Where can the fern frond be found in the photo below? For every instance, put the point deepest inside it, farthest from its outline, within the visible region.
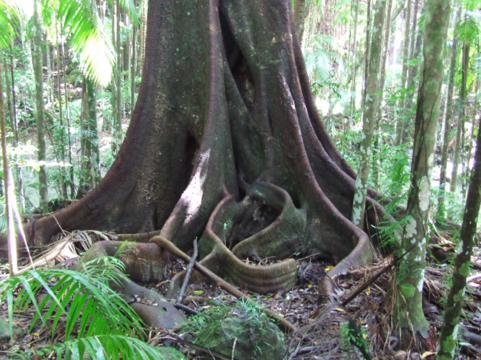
(84, 299)
(109, 347)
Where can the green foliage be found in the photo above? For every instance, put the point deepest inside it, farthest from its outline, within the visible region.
(9, 21)
(83, 298)
(204, 326)
(105, 347)
(324, 62)
(87, 37)
(349, 337)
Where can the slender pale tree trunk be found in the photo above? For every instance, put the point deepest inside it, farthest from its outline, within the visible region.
(461, 117)
(117, 114)
(473, 124)
(377, 141)
(8, 92)
(37, 58)
(463, 98)
(143, 33)
(85, 184)
(132, 67)
(441, 210)
(48, 81)
(401, 118)
(67, 118)
(62, 126)
(414, 52)
(352, 105)
(12, 245)
(371, 109)
(449, 330)
(93, 140)
(408, 309)
(300, 9)
(18, 172)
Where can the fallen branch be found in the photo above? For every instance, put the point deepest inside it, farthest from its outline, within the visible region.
(392, 261)
(174, 250)
(187, 274)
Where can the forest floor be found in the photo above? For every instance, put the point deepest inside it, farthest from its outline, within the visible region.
(320, 333)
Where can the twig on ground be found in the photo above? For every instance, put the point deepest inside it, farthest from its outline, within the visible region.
(201, 348)
(187, 273)
(376, 276)
(187, 309)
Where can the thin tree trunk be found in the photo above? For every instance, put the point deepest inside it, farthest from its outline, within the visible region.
(85, 184)
(473, 124)
(371, 109)
(8, 91)
(377, 141)
(415, 51)
(441, 210)
(408, 310)
(401, 118)
(67, 118)
(37, 57)
(300, 9)
(62, 127)
(464, 80)
(49, 73)
(143, 33)
(447, 341)
(116, 92)
(93, 140)
(132, 68)
(18, 172)
(352, 105)
(12, 244)
(461, 117)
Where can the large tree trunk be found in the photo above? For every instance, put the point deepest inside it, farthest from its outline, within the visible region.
(225, 142)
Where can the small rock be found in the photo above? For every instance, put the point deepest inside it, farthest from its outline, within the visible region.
(5, 331)
(246, 331)
(400, 354)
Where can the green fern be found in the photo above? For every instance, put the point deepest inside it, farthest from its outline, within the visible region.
(109, 347)
(91, 304)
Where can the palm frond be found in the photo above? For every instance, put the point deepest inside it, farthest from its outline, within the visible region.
(108, 347)
(131, 10)
(89, 299)
(80, 20)
(9, 21)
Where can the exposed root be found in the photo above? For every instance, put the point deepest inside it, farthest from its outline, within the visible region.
(167, 245)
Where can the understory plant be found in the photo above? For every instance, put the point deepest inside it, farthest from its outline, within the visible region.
(99, 323)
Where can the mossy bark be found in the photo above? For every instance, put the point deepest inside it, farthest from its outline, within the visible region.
(409, 312)
(447, 341)
(372, 102)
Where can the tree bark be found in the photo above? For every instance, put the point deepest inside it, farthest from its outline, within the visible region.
(38, 71)
(449, 331)
(401, 118)
(371, 109)
(441, 210)
(408, 310)
(461, 116)
(226, 145)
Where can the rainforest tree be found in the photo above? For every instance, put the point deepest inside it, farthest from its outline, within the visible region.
(225, 144)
